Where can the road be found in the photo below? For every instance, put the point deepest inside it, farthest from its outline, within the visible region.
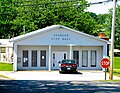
(38, 86)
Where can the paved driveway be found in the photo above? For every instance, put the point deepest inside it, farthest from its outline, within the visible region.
(54, 75)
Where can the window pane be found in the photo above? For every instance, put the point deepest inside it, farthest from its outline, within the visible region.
(34, 58)
(76, 56)
(25, 58)
(93, 58)
(53, 59)
(84, 58)
(64, 55)
(3, 50)
(43, 58)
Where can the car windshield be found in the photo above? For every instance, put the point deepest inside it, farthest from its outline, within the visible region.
(68, 61)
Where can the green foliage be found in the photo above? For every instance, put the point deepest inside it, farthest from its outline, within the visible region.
(37, 14)
(108, 28)
(6, 67)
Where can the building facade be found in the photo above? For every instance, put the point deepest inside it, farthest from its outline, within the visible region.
(6, 51)
(44, 48)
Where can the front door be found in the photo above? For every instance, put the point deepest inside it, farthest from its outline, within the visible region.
(56, 57)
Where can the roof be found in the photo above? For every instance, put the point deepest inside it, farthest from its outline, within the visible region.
(5, 43)
(15, 39)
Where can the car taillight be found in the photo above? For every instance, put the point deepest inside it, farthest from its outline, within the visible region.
(74, 65)
(63, 65)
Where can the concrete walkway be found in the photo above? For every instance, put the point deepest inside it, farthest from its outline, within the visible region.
(54, 75)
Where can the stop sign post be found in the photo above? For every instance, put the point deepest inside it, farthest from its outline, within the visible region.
(105, 63)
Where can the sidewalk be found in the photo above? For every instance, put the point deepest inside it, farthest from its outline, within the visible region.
(54, 75)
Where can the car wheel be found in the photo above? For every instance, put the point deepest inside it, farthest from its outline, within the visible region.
(76, 72)
(60, 72)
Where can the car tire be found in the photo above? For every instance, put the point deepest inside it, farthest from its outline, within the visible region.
(60, 72)
(76, 72)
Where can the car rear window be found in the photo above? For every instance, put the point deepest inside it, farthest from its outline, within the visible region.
(68, 61)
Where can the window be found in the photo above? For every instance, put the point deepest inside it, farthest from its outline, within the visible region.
(25, 58)
(93, 58)
(65, 56)
(76, 56)
(84, 58)
(43, 58)
(53, 59)
(34, 58)
(3, 50)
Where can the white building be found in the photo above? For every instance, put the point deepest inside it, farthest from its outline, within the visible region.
(6, 50)
(44, 48)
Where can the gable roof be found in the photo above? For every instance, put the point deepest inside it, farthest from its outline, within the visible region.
(5, 43)
(31, 34)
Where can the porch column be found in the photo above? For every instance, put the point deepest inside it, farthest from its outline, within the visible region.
(70, 55)
(49, 65)
(105, 51)
(15, 58)
(7, 54)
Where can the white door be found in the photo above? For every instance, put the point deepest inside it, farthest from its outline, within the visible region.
(56, 57)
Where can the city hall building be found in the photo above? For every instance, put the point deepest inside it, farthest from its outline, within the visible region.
(43, 49)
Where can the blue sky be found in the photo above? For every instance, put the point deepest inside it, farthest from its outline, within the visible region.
(100, 8)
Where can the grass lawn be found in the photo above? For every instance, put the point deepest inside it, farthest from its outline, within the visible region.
(117, 66)
(6, 67)
(117, 62)
(117, 72)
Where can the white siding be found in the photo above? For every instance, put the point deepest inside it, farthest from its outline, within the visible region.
(60, 40)
(30, 48)
(59, 49)
(48, 38)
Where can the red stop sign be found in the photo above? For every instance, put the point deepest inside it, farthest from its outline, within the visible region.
(105, 63)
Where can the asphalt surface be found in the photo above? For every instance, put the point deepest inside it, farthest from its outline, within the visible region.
(37, 86)
(53, 82)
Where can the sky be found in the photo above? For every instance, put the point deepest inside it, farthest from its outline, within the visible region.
(100, 8)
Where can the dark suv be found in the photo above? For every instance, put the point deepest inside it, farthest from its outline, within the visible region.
(68, 65)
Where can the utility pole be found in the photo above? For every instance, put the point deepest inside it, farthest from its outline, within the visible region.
(112, 40)
(24, 30)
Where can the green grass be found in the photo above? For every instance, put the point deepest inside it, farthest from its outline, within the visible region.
(6, 67)
(116, 71)
(117, 62)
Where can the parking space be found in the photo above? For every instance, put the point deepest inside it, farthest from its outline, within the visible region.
(54, 75)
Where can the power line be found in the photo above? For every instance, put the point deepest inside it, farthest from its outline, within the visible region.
(43, 5)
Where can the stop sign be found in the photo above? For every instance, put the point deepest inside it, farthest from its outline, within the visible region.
(105, 63)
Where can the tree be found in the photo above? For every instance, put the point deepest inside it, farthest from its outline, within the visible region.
(38, 14)
(7, 14)
(117, 26)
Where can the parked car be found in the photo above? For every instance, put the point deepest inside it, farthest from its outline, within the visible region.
(67, 65)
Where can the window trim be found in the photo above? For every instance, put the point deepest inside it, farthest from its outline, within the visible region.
(2, 49)
(33, 64)
(95, 51)
(77, 60)
(86, 57)
(27, 59)
(41, 59)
